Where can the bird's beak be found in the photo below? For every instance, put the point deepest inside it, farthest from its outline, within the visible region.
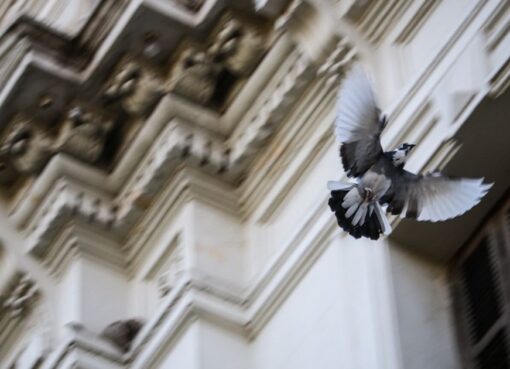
(411, 147)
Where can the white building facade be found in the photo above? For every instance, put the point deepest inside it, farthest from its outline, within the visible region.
(163, 167)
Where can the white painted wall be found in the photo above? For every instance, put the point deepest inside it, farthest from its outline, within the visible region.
(93, 294)
(332, 318)
(220, 348)
(424, 312)
(184, 353)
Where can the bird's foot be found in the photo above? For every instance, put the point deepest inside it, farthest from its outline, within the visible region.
(368, 194)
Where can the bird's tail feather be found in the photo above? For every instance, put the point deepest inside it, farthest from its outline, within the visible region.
(358, 218)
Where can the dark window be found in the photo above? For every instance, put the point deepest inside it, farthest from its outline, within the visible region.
(494, 355)
(479, 285)
(480, 278)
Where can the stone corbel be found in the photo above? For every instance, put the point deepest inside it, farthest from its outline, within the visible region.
(206, 74)
(194, 75)
(136, 85)
(84, 133)
(25, 148)
(238, 46)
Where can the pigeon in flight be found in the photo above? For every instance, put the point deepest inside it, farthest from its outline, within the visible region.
(381, 182)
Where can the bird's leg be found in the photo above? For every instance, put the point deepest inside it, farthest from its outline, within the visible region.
(368, 194)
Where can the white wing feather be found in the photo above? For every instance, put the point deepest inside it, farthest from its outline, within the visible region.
(357, 113)
(442, 198)
(383, 220)
(337, 186)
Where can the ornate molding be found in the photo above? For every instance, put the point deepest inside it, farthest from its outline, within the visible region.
(245, 315)
(178, 143)
(270, 112)
(375, 18)
(79, 346)
(67, 202)
(207, 74)
(421, 10)
(20, 297)
(497, 26)
(500, 81)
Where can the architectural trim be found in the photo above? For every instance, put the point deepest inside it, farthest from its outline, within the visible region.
(421, 10)
(436, 68)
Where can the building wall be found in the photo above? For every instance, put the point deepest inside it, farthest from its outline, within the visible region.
(332, 318)
(424, 311)
(209, 222)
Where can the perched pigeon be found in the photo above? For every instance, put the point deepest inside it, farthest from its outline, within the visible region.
(381, 181)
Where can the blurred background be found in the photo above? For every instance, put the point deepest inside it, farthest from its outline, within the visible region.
(163, 170)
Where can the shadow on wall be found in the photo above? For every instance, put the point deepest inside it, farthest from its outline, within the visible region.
(484, 153)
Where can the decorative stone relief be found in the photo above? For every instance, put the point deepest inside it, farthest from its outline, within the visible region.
(84, 134)
(176, 144)
(26, 148)
(238, 47)
(66, 200)
(135, 85)
(21, 296)
(195, 75)
(207, 75)
(27, 145)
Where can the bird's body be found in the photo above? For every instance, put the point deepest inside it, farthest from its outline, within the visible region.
(381, 180)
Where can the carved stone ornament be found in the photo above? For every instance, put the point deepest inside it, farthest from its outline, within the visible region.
(21, 297)
(238, 47)
(25, 149)
(84, 134)
(207, 75)
(136, 86)
(195, 75)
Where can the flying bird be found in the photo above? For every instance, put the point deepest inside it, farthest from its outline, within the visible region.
(382, 185)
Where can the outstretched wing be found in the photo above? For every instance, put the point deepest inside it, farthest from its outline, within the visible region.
(358, 125)
(434, 197)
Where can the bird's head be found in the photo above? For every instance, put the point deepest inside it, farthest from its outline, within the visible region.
(400, 154)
